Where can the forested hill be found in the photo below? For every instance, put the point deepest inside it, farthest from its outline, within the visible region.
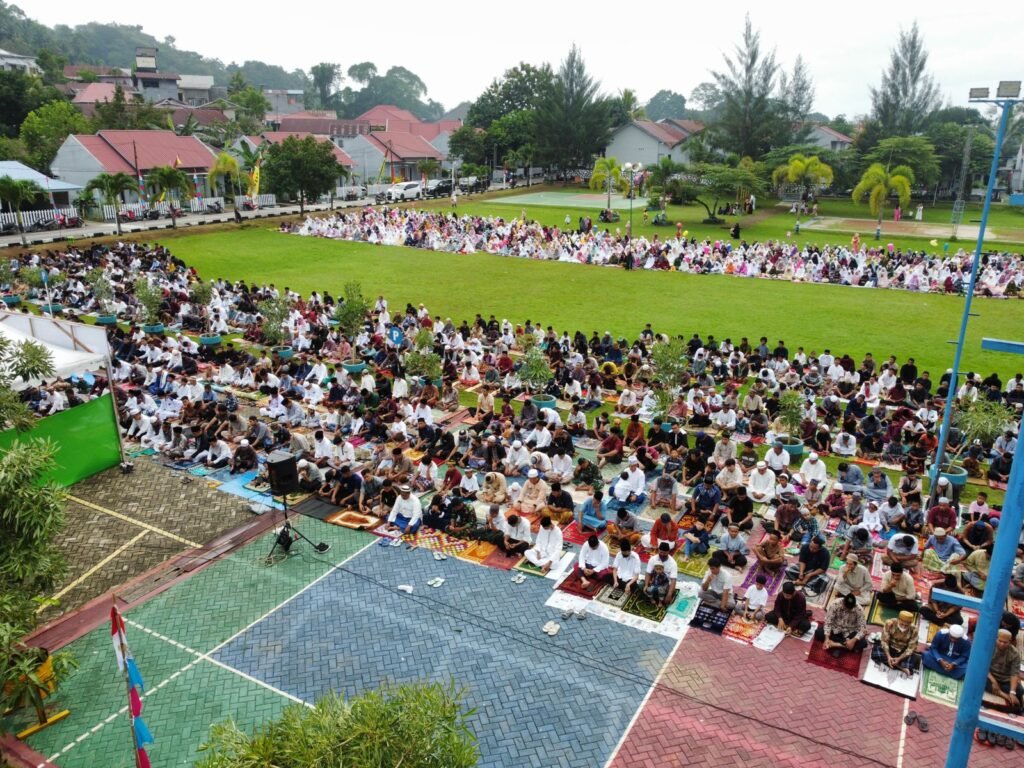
(114, 45)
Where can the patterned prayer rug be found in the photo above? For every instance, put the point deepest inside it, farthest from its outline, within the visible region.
(888, 679)
(572, 584)
(684, 606)
(774, 579)
(526, 566)
(141, 452)
(572, 534)
(476, 552)
(638, 605)
(354, 520)
(587, 443)
(847, 662)
(436, 541)
(614, 548)
(382, 531)
(742, 630)
(710, 619)
(201, 471)
(613, 596)
(696, 567)
(940, 689)
(1017, 606)
(878, 614)
(821, 599)
(498, 559)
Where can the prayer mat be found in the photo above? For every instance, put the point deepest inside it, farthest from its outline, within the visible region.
(498, 559)
(316, 507)
(848, 662)
(572, 584)
(940, 689)
(774, 579)
(213, 483)
(686, 522)
(741, 630)
(202, 471)
(180, 465)
(997, 485)
(878, 567)
(414, 456)
(293, 499)
(613, 596)
(696, 567)
(821, 599)
(587, 443)
(614, 548)
(354, 520)
(926, 632)
(572, 534)
(832, 526)
(888, 679)
(768, 638)
(931, 562)
(710, 619)
(436, 541)
(141, 452)
(476, 552)
(864, 462)
(924, 581)
(526, 566)
(879, 614)
(259, 486)
(382, 530)
(639, 605)
(684, 606)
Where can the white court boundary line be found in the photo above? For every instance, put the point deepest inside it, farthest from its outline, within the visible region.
(206, 656)
(643, 702)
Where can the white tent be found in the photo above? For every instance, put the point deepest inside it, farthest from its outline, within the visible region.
(75, 347)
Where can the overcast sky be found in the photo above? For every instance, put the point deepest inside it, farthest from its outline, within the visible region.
(458, 47)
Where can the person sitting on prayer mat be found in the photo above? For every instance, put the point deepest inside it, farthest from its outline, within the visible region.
(898, 590)
(769, 553)
(755, 599)
(593, 561)
(657, 585)
(516, 538)
(406, 514)
(716, 589)
(790, 612)
(626, 568)
(854, 579)
(844, 627)
(897, 648)
(624, 526)
(1004, 672)
(667, 562)
(949, 652)
(547, 549)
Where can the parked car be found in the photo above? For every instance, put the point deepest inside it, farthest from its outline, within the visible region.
(438, 188)
(407, 190)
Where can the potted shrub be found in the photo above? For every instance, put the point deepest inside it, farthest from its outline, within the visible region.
(275, 313)
(535, 373)
(150, 301)
(7, 283)
(981, 420)
(351, 315)
(425, 364)
(791, 414)
(104, 293)
(29, 675)
(201, 295)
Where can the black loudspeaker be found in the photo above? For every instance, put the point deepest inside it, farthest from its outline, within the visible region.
(283, 473)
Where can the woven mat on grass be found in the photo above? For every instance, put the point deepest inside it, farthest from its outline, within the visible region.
(639, 605)
(587, 443)
(741, 630)
(477, 552)
(573, 585)
(847, 662)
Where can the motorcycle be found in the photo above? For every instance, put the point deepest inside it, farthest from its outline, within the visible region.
(43, 225)
(152, 214)
(8, 228)
(248, 205)
(380, 198)
(174, 213)
(214, 208)
(69, 222)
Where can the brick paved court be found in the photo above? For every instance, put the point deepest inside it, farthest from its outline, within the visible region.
(241, 640)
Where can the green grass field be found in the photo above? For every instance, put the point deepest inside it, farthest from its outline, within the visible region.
(569, 296)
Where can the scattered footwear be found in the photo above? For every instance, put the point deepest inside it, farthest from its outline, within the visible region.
(407, 588)
(581, 614)
(519, 578)
(566, 614)
(435, 582)
(910, 718)
(922, 723)
(440, 556)
(551, 628)
(395, 543)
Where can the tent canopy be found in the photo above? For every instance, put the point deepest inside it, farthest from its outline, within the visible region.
(75, 347)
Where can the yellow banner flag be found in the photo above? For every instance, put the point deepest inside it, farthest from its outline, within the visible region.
(254, 180)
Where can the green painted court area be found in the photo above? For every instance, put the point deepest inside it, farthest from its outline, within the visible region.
(586, 200)
(173, 637)
(571, 296)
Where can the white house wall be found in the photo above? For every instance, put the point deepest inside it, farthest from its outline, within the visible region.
(629, 144)
(75, 164)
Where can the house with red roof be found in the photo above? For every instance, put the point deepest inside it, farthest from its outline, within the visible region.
(276, 137)
(389, 155)
(645, 141)
(82, 157)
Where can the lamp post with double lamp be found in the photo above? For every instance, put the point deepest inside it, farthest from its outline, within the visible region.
(632, 169)
(990, 606)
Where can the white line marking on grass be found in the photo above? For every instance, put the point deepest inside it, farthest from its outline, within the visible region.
(643, 702)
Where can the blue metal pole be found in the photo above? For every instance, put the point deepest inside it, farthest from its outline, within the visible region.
(1005, 550)
(947, 411)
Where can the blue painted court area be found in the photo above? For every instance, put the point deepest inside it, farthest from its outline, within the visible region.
(540, 701)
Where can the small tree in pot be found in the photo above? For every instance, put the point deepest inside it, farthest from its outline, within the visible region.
(535, 372)
(150, 300)
(981, 420)
(103, 291)
(422, 360)
(790, 416)
(275, 313)
(201, 294)
(351, 314)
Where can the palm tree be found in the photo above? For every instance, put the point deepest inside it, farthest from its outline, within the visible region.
(605, 174)
(248, 156)
(110, 187)
(428, 167)
(170, 180)
(808, 172)
(631, 104)
(225, 166)
(878, 182)
(16, 193)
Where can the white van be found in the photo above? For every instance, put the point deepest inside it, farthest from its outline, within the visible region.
(407, 190)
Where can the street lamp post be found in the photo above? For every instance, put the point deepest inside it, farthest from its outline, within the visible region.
(632, 169)
(991, 605)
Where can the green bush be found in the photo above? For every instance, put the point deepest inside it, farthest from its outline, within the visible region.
(413, 726)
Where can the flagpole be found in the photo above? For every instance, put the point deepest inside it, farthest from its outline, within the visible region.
(127, 682)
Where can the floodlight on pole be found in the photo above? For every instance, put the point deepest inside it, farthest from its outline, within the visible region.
(990, 606)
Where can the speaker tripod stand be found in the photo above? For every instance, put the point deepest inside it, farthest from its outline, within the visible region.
(288, 535)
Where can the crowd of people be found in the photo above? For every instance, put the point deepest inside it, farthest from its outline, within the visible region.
(1001, 274)
(492, 466)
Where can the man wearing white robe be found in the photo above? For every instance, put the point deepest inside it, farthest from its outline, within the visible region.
(547, 549)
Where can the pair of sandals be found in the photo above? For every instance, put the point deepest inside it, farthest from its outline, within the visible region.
(519, 578)
(994, 739)
(440, 556)
(568, 613)
(922, 721)
(435, 582)
(551, 628)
